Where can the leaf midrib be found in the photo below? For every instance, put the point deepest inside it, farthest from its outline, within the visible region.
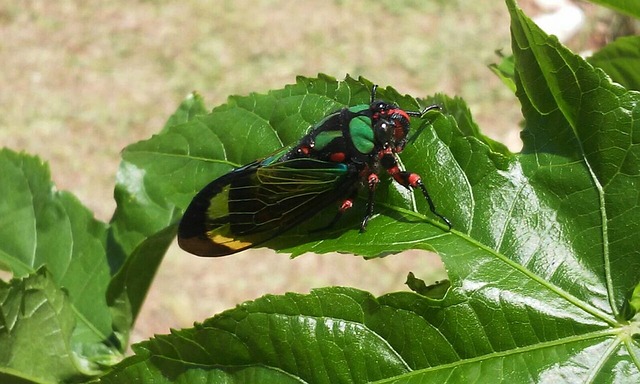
(518, 267)
(516, 350)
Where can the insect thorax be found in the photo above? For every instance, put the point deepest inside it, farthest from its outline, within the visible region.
(346, 136)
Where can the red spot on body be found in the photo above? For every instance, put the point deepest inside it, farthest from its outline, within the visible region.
(304, 150)
(347, 204)
(337, 157)
(393, 170)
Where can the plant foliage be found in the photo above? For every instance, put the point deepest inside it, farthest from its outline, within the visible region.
(543, 263)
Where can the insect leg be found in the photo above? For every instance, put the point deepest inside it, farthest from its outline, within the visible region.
(372, 182)
(409, 180)
(432, 207)
(344, 206)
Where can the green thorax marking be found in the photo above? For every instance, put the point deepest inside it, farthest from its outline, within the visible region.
(359, 108)
(362, 133)
(324, 138)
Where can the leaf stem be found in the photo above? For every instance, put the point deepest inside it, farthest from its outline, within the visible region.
(605, 238)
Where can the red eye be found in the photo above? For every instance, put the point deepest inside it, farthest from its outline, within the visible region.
(399, 132)
(401, 121)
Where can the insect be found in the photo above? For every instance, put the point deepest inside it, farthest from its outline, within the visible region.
(341, 154)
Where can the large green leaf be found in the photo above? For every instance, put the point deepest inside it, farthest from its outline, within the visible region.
(542, 259)
(580, 149)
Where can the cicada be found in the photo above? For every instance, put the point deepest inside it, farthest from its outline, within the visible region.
(339, 156)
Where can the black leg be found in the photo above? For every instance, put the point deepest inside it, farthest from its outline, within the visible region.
(345, 206)
(372, 183)
(432, 207)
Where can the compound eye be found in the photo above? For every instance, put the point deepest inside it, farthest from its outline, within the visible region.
(401, 126)
(399, 132)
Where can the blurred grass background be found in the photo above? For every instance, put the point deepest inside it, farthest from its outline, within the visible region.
(80, 80)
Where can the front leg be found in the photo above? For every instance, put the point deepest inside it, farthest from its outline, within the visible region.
(408, 180)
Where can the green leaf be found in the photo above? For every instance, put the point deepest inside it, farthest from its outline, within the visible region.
(620, 59)
(542, 258)
(44, 228)
(336, 335)
(36, 324)
(142, 227)
(148, 179)
(505, 70)
(629, 7)
(327, 342)
(580, 150)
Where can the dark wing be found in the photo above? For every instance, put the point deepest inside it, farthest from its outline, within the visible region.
(257, 202)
